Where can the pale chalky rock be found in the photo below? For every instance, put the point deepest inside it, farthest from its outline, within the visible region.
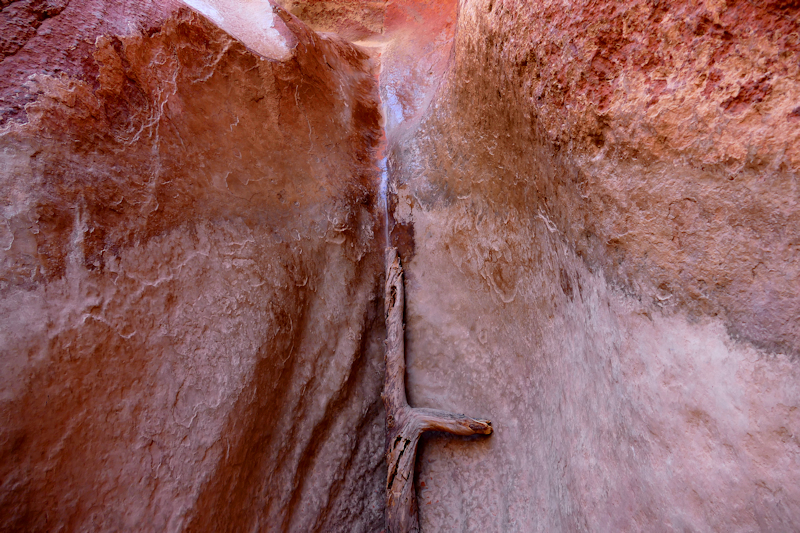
(599, 220)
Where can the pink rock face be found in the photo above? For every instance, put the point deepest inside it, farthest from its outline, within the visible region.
(597, 209)
(190, 333)
(604, 207)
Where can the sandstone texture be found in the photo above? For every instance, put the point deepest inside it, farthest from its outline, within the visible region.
(190, 319)
(597, 208)
(598, 215)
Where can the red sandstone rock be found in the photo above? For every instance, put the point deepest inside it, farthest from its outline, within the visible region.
(352, 20)
(604, 206)
(190, 331)
(596, 204)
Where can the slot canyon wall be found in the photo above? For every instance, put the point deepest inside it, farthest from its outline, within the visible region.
(596, 204)
(598, 215)
(190, 326)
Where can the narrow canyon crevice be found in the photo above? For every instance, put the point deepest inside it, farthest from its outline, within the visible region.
(596, 205)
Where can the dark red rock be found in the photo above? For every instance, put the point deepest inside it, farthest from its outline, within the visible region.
(190, 321)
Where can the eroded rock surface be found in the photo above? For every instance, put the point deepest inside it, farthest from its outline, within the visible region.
(600, 217)
(191, 332)
(597, 208)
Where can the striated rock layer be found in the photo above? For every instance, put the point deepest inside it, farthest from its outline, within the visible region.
(599, 215)
(190, 334)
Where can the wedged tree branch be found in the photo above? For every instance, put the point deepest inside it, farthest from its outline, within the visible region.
(404, 424)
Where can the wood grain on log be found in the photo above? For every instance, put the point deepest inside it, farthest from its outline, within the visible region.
(404, 424)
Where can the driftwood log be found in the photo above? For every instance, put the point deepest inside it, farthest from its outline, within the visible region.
(404, 424)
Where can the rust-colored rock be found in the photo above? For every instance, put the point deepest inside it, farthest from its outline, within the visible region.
(604, 206)
(191, 326)
(596, 204)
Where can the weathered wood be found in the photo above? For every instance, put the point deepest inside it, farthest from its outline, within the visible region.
(404, 424)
